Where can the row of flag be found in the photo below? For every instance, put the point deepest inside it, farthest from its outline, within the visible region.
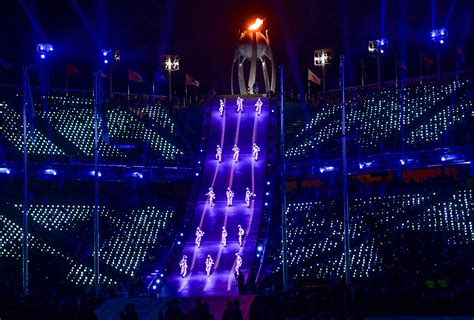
(425, 59)
(133, 76)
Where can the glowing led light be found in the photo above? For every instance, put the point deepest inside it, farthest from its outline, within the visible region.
(5, 170)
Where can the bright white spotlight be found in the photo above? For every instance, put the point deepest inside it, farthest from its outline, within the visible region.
(51, 172)
(5, 170)
(138, 175)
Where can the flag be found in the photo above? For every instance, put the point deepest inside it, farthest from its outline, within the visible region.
(427, 60)
(190, 81)
(313, 78)
(102, 74)
(134, 76)
(159, 78)
(72, 70)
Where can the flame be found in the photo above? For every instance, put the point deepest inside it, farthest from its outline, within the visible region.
(258, 22)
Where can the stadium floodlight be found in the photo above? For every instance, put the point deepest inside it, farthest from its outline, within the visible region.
(106, 56)
(378, 46)
(117, 56)
(170, 63)
(44, 49)
(439, 36)
(323, 57)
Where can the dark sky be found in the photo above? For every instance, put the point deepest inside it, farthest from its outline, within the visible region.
(204, 33)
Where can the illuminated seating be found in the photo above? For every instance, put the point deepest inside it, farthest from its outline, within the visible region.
(11, 127)
(126, 237)
(73, 119)
(374, 119)
(315, 230)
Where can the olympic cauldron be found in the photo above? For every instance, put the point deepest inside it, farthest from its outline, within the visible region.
(253, 46)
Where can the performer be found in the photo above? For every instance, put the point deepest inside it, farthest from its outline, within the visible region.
(211, 196)
(258, 106)
(221, 107)
(238, 263)
(248, 195)
(255, 151)
(240, 104)
(184, 266)
(241, 234)
(199, 234)
(224, 236)
(230, 195)
(236, 153)
(209, 263)
(219, 153)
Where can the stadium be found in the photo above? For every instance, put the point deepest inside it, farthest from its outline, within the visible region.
(155, 165)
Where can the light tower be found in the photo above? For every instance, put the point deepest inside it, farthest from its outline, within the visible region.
(253, 45)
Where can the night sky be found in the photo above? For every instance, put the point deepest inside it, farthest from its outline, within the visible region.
(204, 34)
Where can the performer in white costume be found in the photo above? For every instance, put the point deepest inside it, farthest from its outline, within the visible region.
(199, 234)
(211, 196)
(255, 151)
(238, 263)
(258, 106)
(236, 153)
(230, 196)
(224, 236)
(240, 104)
(221, 107)
(183, 264)
(241, 235)
(209, 263)
(219, 153)
(248, 194)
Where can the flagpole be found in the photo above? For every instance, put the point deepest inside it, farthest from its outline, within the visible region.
(185, 94)
(169, 80)
(309, 91)
(25, 188)
(421, 69)
(96, 188)
(128, 90)
(110, 81)
(67, 85)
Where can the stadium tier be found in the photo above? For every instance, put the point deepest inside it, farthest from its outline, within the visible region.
(129, 132)
(63, 232)
(382, 228)
(424, 114)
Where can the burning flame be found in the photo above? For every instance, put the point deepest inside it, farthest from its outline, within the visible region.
(258, 22)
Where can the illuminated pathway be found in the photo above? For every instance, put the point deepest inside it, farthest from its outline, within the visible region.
(232, 128)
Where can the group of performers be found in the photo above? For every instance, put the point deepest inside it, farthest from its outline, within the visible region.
(211, 196)
(240, 233)
(183, 264)
(240, 106)
(236, 152)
